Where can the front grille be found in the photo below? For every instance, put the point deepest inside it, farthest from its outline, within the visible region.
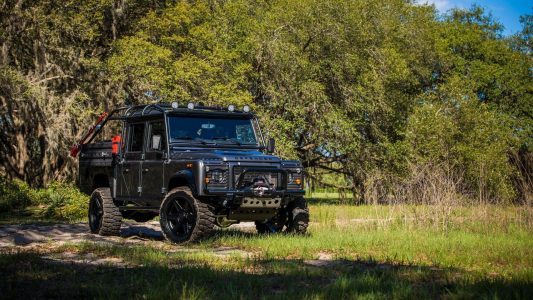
(273, 178)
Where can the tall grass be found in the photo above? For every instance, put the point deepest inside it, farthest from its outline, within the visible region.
(489, 239)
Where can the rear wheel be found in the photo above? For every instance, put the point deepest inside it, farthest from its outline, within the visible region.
(183, 218)
(104, 215)
(272, 225)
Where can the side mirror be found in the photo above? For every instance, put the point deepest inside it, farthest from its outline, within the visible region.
(271, 145)
(156, 142)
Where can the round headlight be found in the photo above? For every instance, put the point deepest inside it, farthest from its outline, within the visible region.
(231, 108)
(174, 105)
(246, 108)
(190, 105)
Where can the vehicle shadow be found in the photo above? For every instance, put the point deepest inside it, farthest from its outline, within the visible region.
(142, 231)
(152, 231)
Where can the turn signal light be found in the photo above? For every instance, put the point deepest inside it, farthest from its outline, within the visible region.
(298, 181)
(206, 180)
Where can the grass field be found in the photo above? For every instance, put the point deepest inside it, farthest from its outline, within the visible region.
(369, 252)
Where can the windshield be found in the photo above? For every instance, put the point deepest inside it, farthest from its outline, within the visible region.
(211, 130)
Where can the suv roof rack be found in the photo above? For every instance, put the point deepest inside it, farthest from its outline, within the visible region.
(142, 110)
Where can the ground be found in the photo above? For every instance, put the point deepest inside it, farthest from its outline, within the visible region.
(376, 252)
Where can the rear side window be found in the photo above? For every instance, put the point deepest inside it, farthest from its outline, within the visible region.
(136, 137)
(157, 137)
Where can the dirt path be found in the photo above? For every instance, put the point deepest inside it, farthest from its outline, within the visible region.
(32, 237)
(131, 232)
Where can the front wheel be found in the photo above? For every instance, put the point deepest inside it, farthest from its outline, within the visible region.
(183, 218)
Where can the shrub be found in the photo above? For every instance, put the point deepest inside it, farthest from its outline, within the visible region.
(62, 201)
(13, 194)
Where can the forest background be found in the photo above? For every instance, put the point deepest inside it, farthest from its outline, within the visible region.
(384, 101)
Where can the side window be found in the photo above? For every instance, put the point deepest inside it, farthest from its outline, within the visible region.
(157, 136)
(136, 137)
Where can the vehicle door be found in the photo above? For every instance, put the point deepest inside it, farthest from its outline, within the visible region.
(153, 171)
(129, 183)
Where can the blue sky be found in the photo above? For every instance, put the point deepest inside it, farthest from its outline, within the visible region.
(506, 12)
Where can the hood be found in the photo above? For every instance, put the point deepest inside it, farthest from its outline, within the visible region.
(229, 155)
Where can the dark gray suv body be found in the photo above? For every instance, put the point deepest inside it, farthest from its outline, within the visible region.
(195, 167)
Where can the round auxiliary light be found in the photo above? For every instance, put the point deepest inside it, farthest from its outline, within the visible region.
(231, 107)
(246, 108)
(174, 105)
(190, 105)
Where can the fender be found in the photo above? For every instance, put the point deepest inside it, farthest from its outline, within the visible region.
(183, 178)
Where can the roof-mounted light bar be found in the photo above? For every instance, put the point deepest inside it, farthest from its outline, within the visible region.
(191, 105)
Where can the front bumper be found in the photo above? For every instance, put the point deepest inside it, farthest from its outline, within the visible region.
(242, 195)
(248, 203)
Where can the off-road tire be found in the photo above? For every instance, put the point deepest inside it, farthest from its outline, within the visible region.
(111, 218)
(298, 220)
(204, 222)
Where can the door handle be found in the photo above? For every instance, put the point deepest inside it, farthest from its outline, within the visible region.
(125, 170)
(145, 170)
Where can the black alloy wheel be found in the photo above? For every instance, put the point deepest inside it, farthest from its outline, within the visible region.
(180, 219)
(183, 218)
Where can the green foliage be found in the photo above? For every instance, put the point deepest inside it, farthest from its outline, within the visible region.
(13, 195)
(58, 201)
(184, 52)
(469, 138)
(63, 202)
(355, 89)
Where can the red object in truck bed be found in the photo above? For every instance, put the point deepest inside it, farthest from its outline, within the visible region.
(75, 149)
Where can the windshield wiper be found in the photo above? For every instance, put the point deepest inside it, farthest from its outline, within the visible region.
(226, 138)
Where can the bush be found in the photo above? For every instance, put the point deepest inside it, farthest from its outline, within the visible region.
(13, 194)
(66, 202)
(61, 201)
